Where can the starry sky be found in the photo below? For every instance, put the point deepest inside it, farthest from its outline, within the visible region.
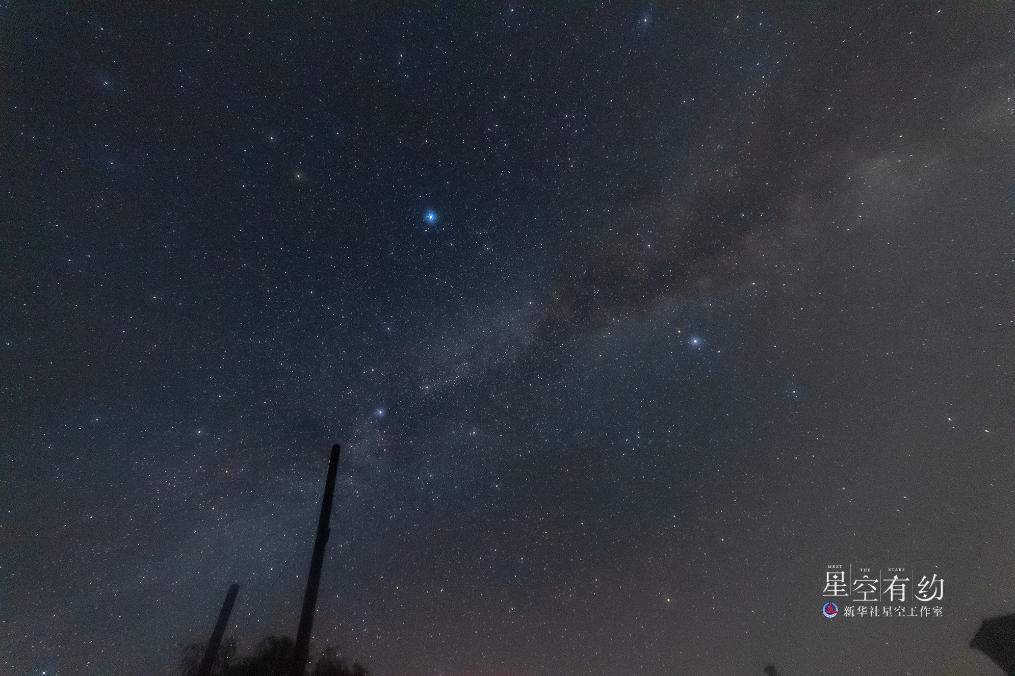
(631, 318)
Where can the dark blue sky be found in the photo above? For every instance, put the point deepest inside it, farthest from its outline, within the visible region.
(631, 319)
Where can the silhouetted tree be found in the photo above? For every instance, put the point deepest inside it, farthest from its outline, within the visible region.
(272, 656)
(193, 653)
(331, 665)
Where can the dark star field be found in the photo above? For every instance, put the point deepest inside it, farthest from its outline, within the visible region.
(631, 318)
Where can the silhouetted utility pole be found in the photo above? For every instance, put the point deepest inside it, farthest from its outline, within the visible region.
(212, 650)
(302, 648)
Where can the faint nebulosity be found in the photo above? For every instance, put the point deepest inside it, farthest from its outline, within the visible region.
(630, 317)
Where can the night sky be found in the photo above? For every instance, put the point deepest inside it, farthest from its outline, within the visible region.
(631, 318)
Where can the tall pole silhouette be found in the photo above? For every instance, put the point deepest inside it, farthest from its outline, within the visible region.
(302, 648)
(212, 650)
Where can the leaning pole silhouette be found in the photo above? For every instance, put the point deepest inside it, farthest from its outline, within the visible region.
(212, 650)
(302, 648)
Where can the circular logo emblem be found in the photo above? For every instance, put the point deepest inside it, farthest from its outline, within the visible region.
(829, 610)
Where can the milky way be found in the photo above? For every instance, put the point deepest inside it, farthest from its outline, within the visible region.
(631, 319)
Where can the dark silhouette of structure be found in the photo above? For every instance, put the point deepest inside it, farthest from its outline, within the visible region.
(996, 639)
(212, 651)
(770, 670)
(301, 649)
